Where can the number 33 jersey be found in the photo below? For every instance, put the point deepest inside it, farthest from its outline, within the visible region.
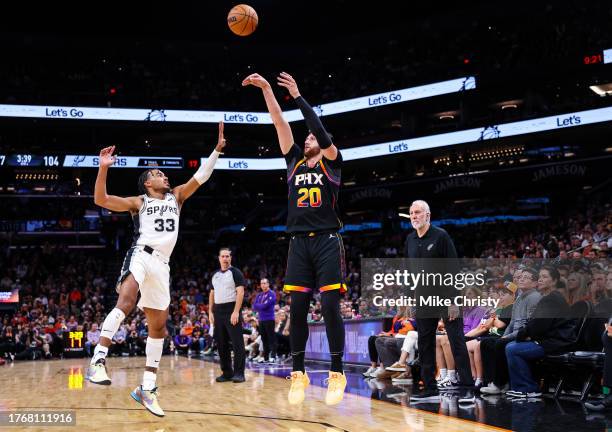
(157, 223)
(313, 193)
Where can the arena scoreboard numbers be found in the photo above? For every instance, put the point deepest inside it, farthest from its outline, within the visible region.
(30, 160)
(74, 343)
(83, 161)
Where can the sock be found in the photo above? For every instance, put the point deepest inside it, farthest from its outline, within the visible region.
(478, 381)
(298, 362)
(148, 380)
(111, 323)
(154, 350)
(452, 375)
(300, 304)
(443, 372)
(336, 362)
(334, 327)
(100, 352)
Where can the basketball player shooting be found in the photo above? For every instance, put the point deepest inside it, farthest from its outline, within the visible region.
(316, 253)
(146, 266)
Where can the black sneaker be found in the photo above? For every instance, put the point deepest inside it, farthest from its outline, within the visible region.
(600, 405)
(238, 378)
(425, 396)
(223, 378)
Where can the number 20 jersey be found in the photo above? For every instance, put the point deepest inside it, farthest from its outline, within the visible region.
(157, 223)
(313, 193)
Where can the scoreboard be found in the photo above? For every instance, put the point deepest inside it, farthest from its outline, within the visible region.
(74, 343)
(30, 160)
(91, 161)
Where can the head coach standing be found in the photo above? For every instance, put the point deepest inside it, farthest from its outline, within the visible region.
(225, 301)
(431, 249)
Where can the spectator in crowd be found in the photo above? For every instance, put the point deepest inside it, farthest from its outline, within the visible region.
(198, 343)
(182, 342)
(8, 343)
(472, 317)
(119, 341)
(389, 346)
(493, 351)
(264, 306)
(605, 403)
(549, 330)
(281, 330)
(576, 287)
(376, 367)
(93, 337)
(491, 328)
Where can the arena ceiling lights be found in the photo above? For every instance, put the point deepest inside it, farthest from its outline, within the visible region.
(193, 116)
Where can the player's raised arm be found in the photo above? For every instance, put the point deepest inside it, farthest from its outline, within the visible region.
(329, 150)
(283, 130)
(111, 202)
(203, 173)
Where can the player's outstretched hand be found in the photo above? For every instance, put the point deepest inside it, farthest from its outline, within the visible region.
(287, 81)
(256, 80)
(106, 156)
(221, 141)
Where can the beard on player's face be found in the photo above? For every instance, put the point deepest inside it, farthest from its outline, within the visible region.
(311, 150)
(311, 146)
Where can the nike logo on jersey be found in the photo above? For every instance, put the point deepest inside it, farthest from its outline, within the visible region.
(150, 201)
(309, 179)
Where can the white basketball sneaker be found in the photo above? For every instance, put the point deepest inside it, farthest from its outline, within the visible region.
(148, 399)
(97, 373)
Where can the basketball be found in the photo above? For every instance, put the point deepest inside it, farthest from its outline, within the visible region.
(242, 20)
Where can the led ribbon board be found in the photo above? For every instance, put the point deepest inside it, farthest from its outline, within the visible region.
(504, 130)
(193, 116)
(433, 141)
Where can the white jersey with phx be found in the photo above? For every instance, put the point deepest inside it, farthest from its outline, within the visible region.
(157, 224)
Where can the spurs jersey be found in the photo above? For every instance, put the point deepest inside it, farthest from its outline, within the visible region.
(313, 193)
(157, 223)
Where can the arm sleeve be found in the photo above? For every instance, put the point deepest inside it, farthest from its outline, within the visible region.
(205, 171)
(238, 277)
(314, 123)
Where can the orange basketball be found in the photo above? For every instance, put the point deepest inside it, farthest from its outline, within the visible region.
(242, 20)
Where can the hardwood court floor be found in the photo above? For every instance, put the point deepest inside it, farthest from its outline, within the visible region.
(193, 401)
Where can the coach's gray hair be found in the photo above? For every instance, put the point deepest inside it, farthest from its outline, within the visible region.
(423, 205)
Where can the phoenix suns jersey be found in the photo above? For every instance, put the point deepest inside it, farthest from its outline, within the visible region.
(313, 193)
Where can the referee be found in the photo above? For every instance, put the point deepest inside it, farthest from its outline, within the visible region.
(432, 250)
(225, 301)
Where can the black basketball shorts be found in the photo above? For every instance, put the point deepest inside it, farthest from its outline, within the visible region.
(315, 261)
